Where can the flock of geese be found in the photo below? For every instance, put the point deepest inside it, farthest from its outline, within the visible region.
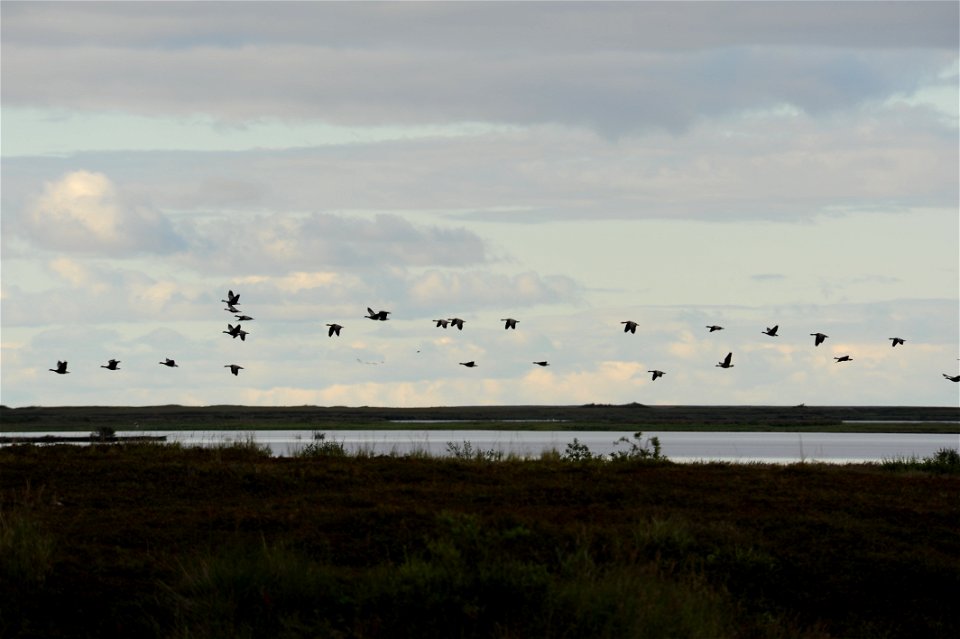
(629, 326)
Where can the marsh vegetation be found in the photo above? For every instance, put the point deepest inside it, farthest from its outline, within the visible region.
(163, 540)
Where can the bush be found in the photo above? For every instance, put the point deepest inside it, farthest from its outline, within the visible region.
(103, 433)
(945, 461)
(320, 447)
(638, 449)
(578, 452)
(467, 452)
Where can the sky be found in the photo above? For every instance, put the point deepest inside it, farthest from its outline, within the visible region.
(571, 165)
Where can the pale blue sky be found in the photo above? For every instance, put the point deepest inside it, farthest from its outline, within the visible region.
(573, 165)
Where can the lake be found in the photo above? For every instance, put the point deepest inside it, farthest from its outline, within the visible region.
(678, 446)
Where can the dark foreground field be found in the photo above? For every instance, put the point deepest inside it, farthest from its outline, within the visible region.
(152, 540)
(626, 417)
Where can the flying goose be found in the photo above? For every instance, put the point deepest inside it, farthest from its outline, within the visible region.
(772, 332)
(952, 378)
(456, 321)
(111, 365)
(232, 309)
(243, 318)
(543, 363)
(630, 326)
(234, 368)
(232, 298)
(469, 364)
(334, 330)
(843, 358)
(442, 323)
(377, 315)
(714, 327)
(235, 332)
(510, 323)
(896, 340)
(61, 368)
(818, 338)
(656, 374)
(726, 361)
(169, 362)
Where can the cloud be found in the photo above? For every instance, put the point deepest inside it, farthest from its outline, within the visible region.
(569, 26)
(283, 243)
(459, 291)
(94, 292)
(616, 69)
(780, 165)
(84, 212)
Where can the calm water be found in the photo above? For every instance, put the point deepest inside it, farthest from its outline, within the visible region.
(678, 446)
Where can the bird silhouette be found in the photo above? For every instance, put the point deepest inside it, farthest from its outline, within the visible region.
(234, 368)
(334, 330)
(510, 323)
(456, 321)
(772, 332)
(656, 374)
(232, 309)
(61, 368)
(896, 340)
(469, 364)
(843, 358)
(111, 365)
(169, 362)
(377, 315)
(543, 363)
(236, 331)
(726, 361)
(243, 318)
(714, 327)
(442, 323)
(952, 378)
(232, 298)
(818, 338)
(629, 326)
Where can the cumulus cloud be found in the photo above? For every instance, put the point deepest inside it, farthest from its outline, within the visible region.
(84, 212)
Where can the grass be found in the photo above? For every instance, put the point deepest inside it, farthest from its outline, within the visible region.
(167, 541)
(944, 461)
(26, 549)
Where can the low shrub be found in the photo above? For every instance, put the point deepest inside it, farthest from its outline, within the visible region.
(320, 447)
(466, 452)
(639, 449)
(578, 452)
